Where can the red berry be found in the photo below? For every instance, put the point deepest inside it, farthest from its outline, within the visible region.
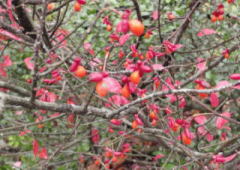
(136, 27)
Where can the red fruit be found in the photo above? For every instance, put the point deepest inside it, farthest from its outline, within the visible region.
(214, 18)
(101, 89)
(80, 72)
(135, 77)
(136, 27)
(109, 28)
(186, 140)
(134, 124)
(77, 7)
(201, 95)
(50, 6)
(220, 18)
(147, 35)
(153, 116)
(230, 1)
(125, 91)
(170, 16)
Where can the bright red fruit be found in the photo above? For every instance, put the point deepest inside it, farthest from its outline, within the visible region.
(135, 77)
(186, 140)
(109, 28)
(136, 27)
(170, 16)
(50, 6)
(80, 72)
(102, 88)
(77, 7)
(125, 91)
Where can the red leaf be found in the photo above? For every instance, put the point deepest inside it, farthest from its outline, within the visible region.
(35, 147)
(88, 48)
(10, 14)
(113, 85)
(183, 102)
(201, 119)
(43, 154)
(209, 137)
(124, 38)
(235, 76)
(10, 35)
(201, 64)
(7, 61)
(231, 157)
(126, 14)
(122, 26)
(144, 68)
(222, 84)
(95, 77)
(221, 159)
(159, 156)
(28, 63)
(214, 99)
(158, 67)
(220, 122)
(170, 47)
(3, 72)
(106, 20)
(206, 31)
(155, 15)
(95, 135)
(82, 2)
(22, 133)
(76, 62)
(61, 37)
(202, 83)
(118, 100)
(95, 62)
(138, 120)
(116, 122)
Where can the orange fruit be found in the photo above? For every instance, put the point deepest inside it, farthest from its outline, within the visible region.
(147, 35)
(101, 89)
(77, 7)
(134, 124)
(125, 91)
(220, 18)
(109, 28)
(50, 6)
(186, 140)
(135, 77)
(170, 16)
(201, 95)
(136, 27)
(80, 72)
(214, 18)
(152, 115)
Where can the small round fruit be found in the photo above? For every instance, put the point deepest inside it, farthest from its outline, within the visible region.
(170, 16)
(220, 18)
(80, 72)
(186, 140)
(50, 6)
(136, 27)
(77, 7)
(214, 18)
(109, 28)
(125, 91)
(101, 89)
(135, 77)
(147, 35)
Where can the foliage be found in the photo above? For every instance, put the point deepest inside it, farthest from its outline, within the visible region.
(92, 84)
